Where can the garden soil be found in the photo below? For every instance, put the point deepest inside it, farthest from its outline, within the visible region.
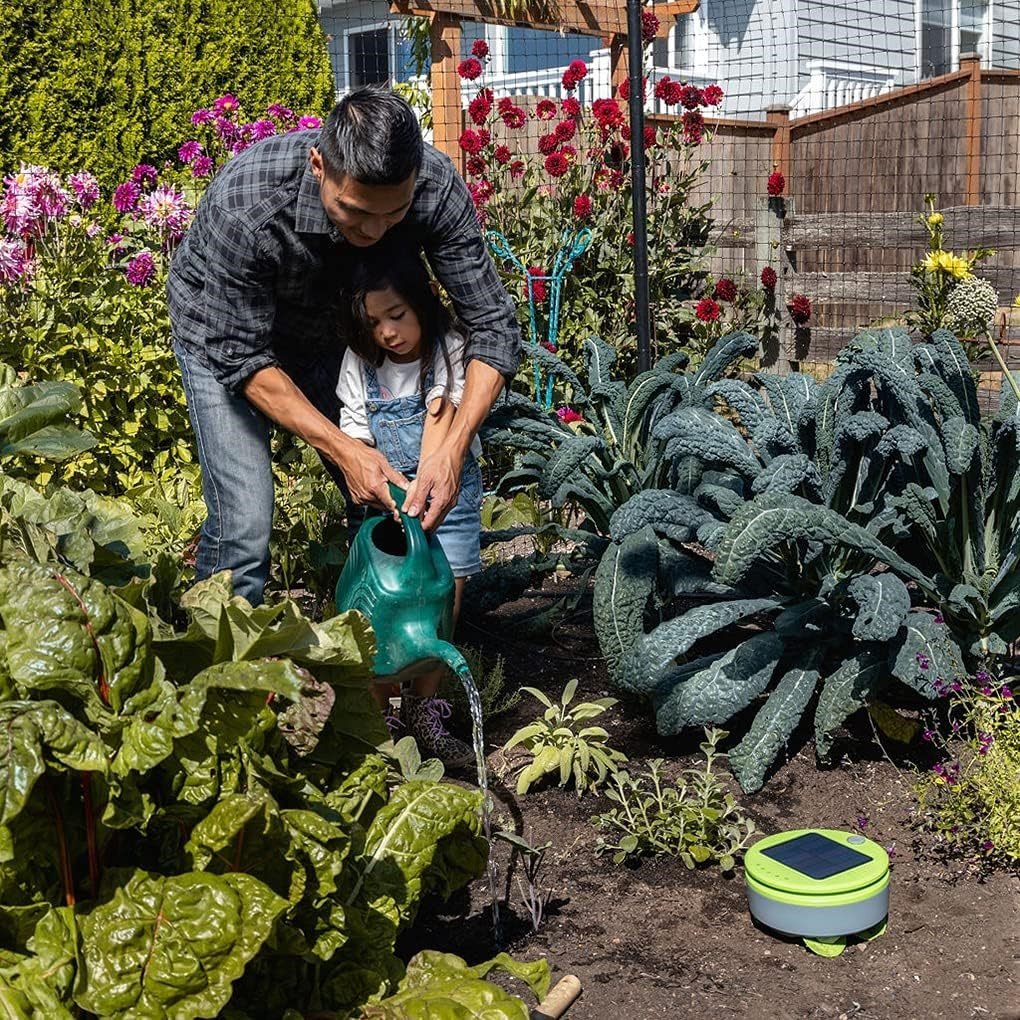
(657, 940)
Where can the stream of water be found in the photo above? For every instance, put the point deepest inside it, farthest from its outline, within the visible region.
(457, 663)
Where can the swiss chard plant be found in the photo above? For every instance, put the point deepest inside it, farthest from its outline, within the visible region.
(797, 521)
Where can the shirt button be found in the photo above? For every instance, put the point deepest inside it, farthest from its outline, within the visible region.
(373, 407)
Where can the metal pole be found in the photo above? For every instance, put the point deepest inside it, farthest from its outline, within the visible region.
(637, 171)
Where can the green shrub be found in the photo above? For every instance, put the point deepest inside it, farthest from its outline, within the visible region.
(106, 84)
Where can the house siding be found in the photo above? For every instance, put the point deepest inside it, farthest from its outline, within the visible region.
(1006, 39)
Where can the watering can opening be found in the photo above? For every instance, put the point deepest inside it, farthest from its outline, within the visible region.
(389, 537)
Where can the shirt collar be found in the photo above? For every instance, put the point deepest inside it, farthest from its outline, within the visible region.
(310, 215)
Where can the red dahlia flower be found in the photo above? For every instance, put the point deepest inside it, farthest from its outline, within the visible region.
(571, 107)
(480, 49)
(725, 290)
(517, 168)
(472, 142)
(694, 126)
(545, 110)
(513, 116)
(538, 288)
(501, 155)
(568, 415)
(476, 166)
(565, 130)
(800, 309)
(556, 164)
(479, 109)
(769, 279)
(707, 310)
(649, 25)
(547, 143)
(776, 184)
(690, 97)
(469, 69)
(583, 207)
(668, 91)
(712, 95)
(576, 71)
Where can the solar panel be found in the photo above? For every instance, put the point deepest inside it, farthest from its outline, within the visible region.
(816, 856)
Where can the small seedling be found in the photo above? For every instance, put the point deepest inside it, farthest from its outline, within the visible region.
(535, 898)
(557, 744)
(695, 819)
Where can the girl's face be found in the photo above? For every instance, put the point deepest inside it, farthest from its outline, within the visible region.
(394, 323)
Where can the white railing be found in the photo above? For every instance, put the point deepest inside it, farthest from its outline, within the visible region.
(839, 83)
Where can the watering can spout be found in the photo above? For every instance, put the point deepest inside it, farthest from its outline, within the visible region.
(399, 577)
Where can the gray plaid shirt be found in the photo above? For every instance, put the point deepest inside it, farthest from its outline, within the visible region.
(259, 274)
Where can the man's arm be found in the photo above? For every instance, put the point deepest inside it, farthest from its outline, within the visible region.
(367, 471)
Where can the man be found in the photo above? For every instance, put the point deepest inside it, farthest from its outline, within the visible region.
(252, 294)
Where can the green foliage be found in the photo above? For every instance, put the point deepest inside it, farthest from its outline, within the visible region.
(833, 515)
(695, 819)
(971, 800)
(144, 69)
(237, 765)
(558, 744)
(490, 679)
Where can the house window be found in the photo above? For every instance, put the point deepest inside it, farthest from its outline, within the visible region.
(368, 57)
(948, 28)
(674, 51)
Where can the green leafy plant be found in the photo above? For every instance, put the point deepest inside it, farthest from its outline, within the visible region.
(490, 678)
(695, 818)
(971, 798)
(809, 510)
(558, 743)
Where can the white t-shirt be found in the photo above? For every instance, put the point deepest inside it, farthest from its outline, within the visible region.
(399, 379)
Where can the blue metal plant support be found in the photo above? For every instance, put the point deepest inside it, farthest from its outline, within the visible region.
(572, 244)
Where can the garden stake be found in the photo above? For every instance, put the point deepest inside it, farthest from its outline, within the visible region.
(572, 245)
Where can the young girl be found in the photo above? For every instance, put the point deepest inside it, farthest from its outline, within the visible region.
(401, 380)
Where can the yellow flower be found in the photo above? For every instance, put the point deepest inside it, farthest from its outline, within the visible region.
(946, 262)
(1016, 301)
(935, 219)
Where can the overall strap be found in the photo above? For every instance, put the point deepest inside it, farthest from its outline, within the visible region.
(371, 382)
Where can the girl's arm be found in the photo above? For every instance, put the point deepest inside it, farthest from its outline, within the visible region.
(438, 422)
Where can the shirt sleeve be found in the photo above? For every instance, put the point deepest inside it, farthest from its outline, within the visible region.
(457, 254)
(240, 300)
(351, 391)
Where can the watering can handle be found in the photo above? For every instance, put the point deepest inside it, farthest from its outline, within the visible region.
(418, 556)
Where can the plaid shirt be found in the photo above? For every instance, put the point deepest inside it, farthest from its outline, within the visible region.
(258, 277)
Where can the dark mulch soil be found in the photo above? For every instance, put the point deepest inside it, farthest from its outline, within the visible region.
(657, 940)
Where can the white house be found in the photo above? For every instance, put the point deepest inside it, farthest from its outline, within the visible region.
(809, 54)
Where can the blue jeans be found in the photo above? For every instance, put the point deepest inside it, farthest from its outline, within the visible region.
(237, 479)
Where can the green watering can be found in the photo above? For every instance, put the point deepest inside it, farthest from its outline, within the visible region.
(400, 579)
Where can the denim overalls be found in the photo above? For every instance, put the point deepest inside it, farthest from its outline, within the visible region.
(397, 425)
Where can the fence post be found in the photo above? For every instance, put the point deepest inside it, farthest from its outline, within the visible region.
(618, 62)
(779, 118)
(447, 116)
(972, 62)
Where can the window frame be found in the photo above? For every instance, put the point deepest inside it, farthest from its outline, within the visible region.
(953, 57)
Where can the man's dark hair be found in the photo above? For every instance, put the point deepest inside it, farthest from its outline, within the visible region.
(373, 136)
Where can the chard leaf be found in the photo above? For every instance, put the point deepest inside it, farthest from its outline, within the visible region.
(441, 985)
(845, 691)
(28, 731)
(425, 838)
(717, 693)
(70, 633)
(884, 602)
(172, 946)
(654, 655)
(624, 584)
(773, 725)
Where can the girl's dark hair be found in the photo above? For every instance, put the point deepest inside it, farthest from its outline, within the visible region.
(407, 275)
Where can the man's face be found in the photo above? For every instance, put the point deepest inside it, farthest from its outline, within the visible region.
(362, 212)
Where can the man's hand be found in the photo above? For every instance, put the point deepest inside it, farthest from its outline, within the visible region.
(436, 487)
(368, 473)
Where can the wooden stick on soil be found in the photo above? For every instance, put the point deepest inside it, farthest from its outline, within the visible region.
(559, 999)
